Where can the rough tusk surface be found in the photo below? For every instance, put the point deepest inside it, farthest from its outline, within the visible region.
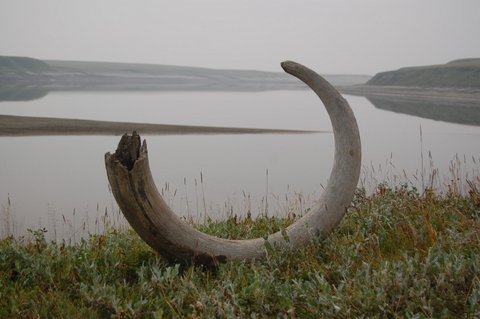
(137, 196)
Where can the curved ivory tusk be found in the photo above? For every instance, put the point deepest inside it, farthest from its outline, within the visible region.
(133, 187)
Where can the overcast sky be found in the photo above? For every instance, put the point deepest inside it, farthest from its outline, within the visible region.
(330, 36)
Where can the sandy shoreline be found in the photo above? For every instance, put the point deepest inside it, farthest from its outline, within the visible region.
(45, 126)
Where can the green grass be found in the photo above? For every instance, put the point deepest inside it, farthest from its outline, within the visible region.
(396, 254)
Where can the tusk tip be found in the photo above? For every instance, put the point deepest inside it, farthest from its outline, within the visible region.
(289, 66)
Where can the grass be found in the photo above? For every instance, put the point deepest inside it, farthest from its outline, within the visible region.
(397, 253)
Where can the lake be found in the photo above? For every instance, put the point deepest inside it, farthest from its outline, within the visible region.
(59, 182)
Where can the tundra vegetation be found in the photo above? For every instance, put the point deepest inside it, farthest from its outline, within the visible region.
(397, 253)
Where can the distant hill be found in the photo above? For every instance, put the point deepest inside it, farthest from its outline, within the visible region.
(57, 75)
(463, 73)
(155, 70)
(10, 64)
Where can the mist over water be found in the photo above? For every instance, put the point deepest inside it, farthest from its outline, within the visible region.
(44, 179)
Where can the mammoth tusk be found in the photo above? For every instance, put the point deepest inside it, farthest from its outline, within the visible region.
(137, 196)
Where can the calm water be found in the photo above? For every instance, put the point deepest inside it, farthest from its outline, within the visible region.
(46, 179)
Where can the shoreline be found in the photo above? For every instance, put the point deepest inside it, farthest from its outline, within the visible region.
(12, 125)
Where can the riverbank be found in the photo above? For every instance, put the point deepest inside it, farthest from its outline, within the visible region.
(45, 126)
(396, 253)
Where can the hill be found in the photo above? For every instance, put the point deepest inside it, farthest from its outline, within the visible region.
(10, 64)
(55, 75)
(464, 73)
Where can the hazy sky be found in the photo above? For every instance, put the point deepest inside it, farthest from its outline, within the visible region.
(331, 36)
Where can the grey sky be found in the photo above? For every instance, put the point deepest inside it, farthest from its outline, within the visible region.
(331, 36)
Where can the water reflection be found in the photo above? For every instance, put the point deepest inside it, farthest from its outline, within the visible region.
(32, 90)
(453, 112)
(22, 93)
(461, 113)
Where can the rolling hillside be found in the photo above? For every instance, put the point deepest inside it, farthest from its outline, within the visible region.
(84, 75)
(463, 73)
